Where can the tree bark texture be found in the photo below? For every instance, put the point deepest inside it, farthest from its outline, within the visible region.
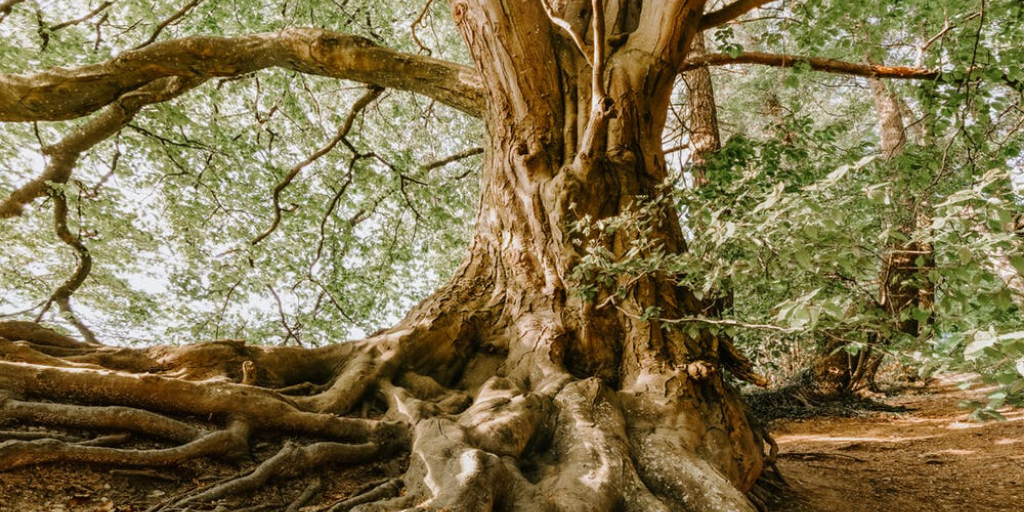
(700, 99)
(507, 391)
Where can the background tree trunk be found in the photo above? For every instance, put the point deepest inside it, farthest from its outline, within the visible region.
(705, 137)
(902, 281)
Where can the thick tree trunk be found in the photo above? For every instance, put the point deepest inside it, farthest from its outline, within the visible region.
(508, 391)
(563, 143)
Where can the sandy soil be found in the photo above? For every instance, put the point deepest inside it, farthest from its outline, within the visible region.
(931, 458)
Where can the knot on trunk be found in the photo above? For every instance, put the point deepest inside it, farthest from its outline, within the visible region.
(701, 370)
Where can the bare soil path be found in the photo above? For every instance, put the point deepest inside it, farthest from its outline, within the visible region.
(931, 458)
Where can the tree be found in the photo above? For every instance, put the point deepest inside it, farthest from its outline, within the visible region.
(520, 384)
(903, 282)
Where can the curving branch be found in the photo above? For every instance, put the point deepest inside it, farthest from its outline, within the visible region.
(64, 155)
(62, 295)
(372, 94)
(730, 12)
(169, 21)
(67, 93)
(817, 64)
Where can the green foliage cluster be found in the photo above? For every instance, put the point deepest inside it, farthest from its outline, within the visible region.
(801, 207)
(169, 206)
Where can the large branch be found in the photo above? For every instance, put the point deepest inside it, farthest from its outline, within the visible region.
(66, 93)
(818, 64)
(63, 155)
(6, 7)
(730, 12)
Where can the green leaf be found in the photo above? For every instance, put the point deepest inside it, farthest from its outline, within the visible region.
(803, 259)
(1018, 263)
(1003, 299)
(982, 340)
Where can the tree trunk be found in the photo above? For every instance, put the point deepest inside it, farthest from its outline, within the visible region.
(705, 138)
(508, 391)
(902, 281)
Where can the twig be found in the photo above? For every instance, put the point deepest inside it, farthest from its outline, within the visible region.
(284, 319)
(331, 205)
(371, 94)
(453, 158)
(418, 21)
(164, 24)
(818, 64)
(147, 473)
(85, 18)
(713, 321)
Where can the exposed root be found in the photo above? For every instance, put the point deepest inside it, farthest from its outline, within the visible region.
(361, 373)
(96, 418)
(378, 491)
(230, 442)
(307, 495)
(517, 433)
(264, 409)
(292, 460)
(17, 435)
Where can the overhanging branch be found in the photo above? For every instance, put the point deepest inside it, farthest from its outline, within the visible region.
(69, 93)
(730, 12)
(63, 156)
(818, 64)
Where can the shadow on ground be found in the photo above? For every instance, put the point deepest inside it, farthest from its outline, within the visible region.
(929, 457)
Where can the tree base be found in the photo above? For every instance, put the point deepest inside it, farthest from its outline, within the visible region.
(227, 426)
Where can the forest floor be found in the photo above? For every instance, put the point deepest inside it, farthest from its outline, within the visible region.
(926, 456)
(914, 451)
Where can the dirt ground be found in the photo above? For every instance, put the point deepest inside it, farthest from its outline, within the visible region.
(930, 458)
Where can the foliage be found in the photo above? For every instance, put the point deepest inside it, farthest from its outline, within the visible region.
(168, 207)
(800, 206)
